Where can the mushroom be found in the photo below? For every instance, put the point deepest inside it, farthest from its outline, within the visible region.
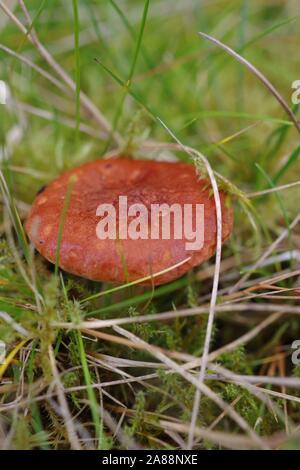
(150, 184)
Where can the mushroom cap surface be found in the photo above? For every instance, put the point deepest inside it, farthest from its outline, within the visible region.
(143, 182)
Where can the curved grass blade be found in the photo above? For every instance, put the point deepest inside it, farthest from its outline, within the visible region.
(258, 74)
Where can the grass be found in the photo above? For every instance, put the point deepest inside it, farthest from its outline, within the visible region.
(92, 365)
(127, 85)
(76, 46)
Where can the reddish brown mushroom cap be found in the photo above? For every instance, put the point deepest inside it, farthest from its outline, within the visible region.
(103, 181)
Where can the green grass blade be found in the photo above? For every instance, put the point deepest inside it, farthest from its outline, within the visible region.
(285, 167)
(138, 299)
(238, 115)
(100, 436)
(77, 73)
(14, 214)
(118, 113)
